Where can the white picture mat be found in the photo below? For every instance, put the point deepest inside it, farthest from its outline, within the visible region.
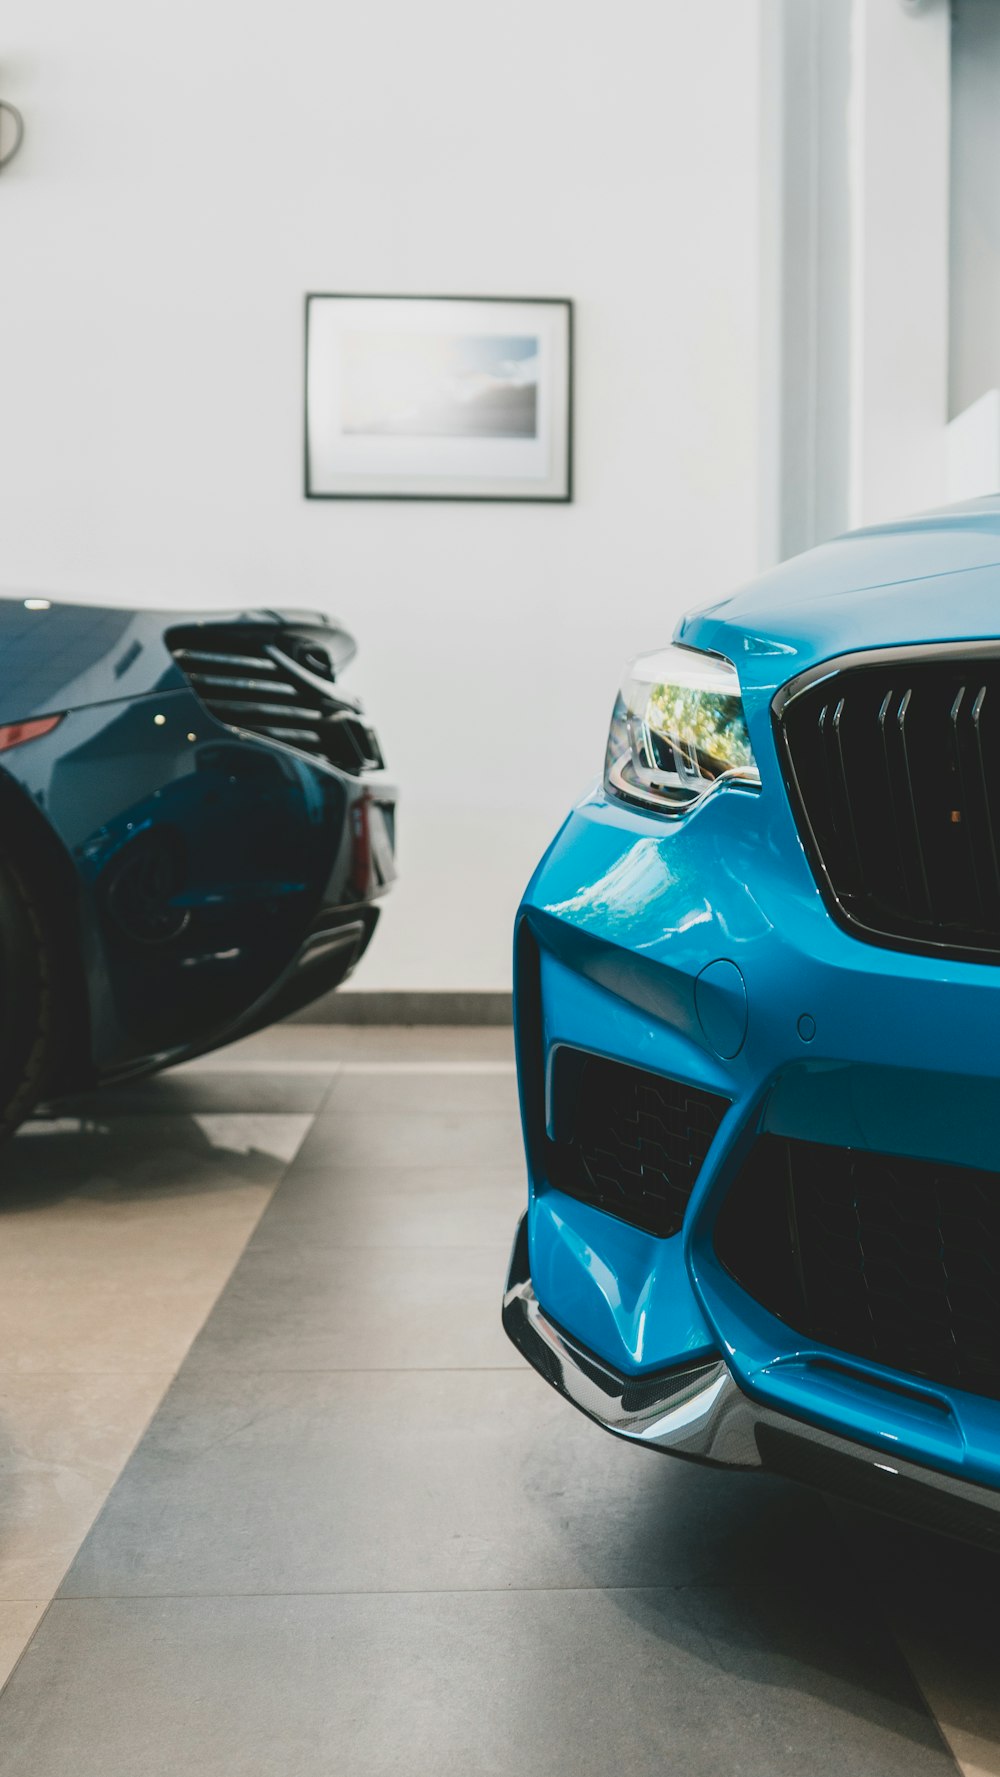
(341, 462)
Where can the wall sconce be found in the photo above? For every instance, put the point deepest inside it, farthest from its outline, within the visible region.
(12, 113)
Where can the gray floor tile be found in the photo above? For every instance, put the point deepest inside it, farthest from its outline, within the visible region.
(756, 1683)
(398, 1206)
(421, 1480)
(385, 1042)
(352, 1137)
(294, 1306)
(461, 1043)
(465, 1095)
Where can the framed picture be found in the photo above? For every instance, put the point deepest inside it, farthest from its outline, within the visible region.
(438, 398)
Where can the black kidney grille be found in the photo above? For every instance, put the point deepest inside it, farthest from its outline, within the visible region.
(630, 1142)
(894, 770)
(876, 1255)
(279, 686)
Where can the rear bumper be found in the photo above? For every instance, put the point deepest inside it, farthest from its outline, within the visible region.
(698, 1411)
(336, 942)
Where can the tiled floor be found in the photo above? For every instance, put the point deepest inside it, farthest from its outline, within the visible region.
(119, 1225)
(358, 1536)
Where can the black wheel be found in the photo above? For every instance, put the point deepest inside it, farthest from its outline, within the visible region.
(27, 1000)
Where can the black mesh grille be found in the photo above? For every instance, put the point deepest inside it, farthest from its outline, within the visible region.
(628, 1141)
(884, 1257)
(894, 769)
(278, 684)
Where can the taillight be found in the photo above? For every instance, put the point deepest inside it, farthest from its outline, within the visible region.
(361, 846)
(14, 734)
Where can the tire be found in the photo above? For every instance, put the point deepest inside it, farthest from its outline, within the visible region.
(27, 1000)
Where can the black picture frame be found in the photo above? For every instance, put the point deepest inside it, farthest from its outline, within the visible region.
(561, 498)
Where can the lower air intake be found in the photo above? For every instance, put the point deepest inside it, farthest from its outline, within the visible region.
(628, 1141)
(875, 1255)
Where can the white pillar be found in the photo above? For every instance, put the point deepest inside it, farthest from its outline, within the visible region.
(805, 281)
(899, 149)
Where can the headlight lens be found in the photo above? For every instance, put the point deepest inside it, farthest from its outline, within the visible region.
(678, 731)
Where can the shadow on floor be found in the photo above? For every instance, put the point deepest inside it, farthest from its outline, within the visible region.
(785, 1599)
(108, 1152)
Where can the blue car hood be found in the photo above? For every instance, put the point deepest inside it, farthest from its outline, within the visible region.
(929, 579)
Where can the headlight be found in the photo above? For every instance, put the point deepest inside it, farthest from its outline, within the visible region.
(678, 730)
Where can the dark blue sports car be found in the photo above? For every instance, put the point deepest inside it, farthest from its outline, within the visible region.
(196, 828)
(758, 1006)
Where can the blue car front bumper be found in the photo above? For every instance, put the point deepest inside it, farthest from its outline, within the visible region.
(701, 951)
(698, 1411)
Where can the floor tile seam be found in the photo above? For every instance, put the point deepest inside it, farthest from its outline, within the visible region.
(515, 1368)
(503, 1169)
(319, 1070)
(427, 1246)
(49, 1602)
(65, 1375)
(112, 1481)
(881, 1616)
(94, 1370)
(344, 1247)
(922, 1694)
(315, 1117)
(252, 1070)
(462, 1181)
(445, 1070)
(417, 1592)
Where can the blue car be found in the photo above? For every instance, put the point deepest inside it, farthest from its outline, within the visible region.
(758, 1032)
(196, 827)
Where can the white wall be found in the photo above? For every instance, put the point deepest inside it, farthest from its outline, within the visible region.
(191, 168)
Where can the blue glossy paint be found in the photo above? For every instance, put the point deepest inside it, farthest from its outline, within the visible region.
(840, 1041)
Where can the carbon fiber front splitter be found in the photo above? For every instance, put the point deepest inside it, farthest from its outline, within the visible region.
(697, 1411)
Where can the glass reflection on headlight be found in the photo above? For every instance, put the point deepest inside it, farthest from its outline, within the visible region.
(678, 730)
